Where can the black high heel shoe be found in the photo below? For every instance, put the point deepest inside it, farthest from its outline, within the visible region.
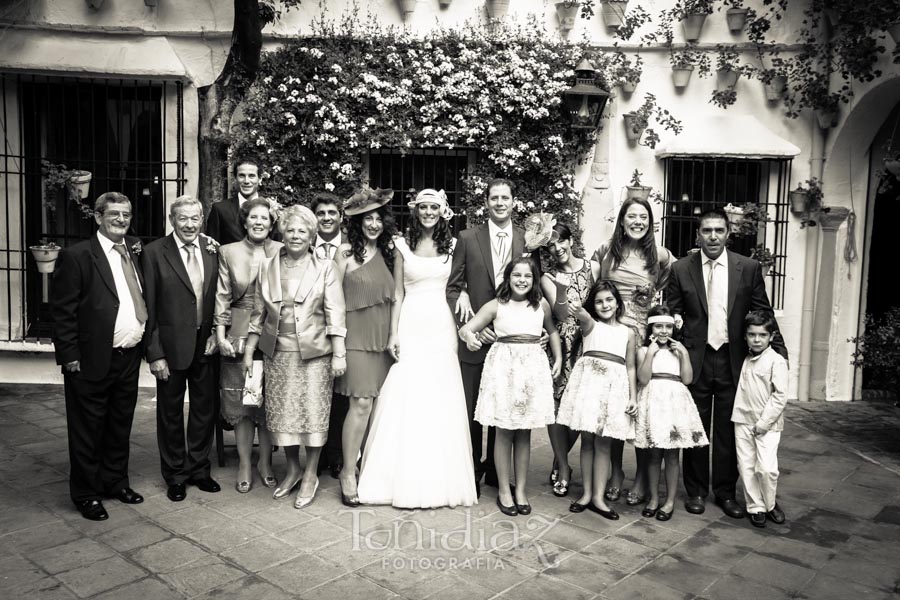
(606, 514)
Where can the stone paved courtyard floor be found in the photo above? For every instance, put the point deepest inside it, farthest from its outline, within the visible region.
(840, 488)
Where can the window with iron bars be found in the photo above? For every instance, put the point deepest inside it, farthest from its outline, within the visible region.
(128, 133)
(438, 168)
(696, 184)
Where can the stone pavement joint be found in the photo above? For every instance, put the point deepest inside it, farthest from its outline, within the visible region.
(839, 485)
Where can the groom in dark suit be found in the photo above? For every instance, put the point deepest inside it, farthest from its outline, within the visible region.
(480, 256)
(710, 292)
(99, 317)
(181, 271)
(224, 222)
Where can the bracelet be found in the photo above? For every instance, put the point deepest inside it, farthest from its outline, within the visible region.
(561, 303)
(344, 355)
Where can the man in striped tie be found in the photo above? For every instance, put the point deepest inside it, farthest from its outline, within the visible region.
(180, 271)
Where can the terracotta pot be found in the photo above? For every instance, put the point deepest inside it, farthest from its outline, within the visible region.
(826, 117)
(45, 258)
(629, 86)
(633, 131)
(894, 32)
(799, 201)
(497, 9)
(736, 18)
(682, 75)
(613, 12)
(81, 181)
(892, 166)
(775, 88)
(692, 26)
(726, 79)
(407, 8)
(567, 13)
(639, 192)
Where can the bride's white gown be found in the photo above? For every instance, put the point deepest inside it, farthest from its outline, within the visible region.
(418, 452)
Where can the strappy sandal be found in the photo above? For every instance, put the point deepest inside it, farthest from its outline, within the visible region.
(561, 488)
(554, 475)
(612, 494)
(632, 499)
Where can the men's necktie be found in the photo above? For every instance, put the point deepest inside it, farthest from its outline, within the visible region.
(718, 312)
(501, 256)
(193, 269)
(140, 308)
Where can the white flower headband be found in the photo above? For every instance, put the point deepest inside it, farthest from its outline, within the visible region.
(438, 197)
(661, 319)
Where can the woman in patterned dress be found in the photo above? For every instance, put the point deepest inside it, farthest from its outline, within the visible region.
(573, 276)
(298, 323)
(639, 268)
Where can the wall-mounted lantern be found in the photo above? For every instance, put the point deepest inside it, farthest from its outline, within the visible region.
(585, 100)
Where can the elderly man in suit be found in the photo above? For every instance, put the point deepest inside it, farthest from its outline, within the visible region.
(327, 208)
(710, 292)
(180, 271)
(480, 256)
(224, 222)
(99, 317)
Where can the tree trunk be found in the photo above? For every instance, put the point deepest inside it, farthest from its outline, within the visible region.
(218, 101)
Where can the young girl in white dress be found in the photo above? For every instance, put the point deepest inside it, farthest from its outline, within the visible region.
(419, 452)
(516, 393)
(599, 400)
(667, 418)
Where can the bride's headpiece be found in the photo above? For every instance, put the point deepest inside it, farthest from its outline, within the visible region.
(438, 197)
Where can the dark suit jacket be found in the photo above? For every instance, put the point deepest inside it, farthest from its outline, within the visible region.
(84, 306)
(473, 271)
(686, 295)
(224, 221)
(171, 324)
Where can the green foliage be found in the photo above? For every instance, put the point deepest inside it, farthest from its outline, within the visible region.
(58, 178)
(878, 352)
(651, 110)
(321, 102)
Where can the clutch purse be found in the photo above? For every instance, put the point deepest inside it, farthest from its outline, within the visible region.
(239, 329)
(252, 394)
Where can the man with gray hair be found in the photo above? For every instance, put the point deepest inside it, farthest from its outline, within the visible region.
(180, 271)
(99, 319)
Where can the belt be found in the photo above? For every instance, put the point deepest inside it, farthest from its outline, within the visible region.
(121, 350)
(668, 376)
(519, 339)
(605, 356)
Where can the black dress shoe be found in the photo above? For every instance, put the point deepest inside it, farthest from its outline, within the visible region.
(92, 510)
(606, 514)
(490, 478)
(128, 496)
(731, 508)
(206, 484)
(575, 507)
(776, 515)
(335, 471)
(177, 492)
(649, 512)
(523, 509)
(662, 515)
(758, 519)
(509, 511)
(695, 505)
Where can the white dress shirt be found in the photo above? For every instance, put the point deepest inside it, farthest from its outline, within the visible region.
(500, 262)
(128, 330)
(761, 393)
(321, 246)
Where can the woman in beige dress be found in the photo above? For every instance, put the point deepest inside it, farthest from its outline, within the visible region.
(298, 323)
(239, 265)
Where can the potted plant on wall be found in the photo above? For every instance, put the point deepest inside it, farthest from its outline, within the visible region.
(684, 62)
(497, 9)
(728, 70)
(692, 14)
(806, 201)
(566, 13)
(45, 255)
(407, 8)
(736, 15)
(636, 190)
(637, 122)
(627, 73)
(613, 12)
(764, 256)
(74, 183)
(746, 219)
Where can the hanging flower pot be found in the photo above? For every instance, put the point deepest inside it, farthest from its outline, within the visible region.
(496, 9)
(613, 12)
(567, 12)
(634, 126)
(894, 32)
(692, 26)
(45, 256)
(736, 18)
(799, 199)
(726, 79)
(735, 217)
(681, 75)
(407, 8)
(637, 192)
(81, 181)
(629, 86)
(826, 117)
(775, 88)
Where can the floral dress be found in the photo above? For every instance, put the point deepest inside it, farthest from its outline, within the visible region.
(580, 283)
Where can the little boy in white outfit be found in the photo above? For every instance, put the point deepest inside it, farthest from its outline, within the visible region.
(758, 418)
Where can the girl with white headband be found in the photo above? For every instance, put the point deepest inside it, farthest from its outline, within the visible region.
(667, 418)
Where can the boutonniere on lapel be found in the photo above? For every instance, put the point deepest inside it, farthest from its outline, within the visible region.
(212, 246)
(136, 248)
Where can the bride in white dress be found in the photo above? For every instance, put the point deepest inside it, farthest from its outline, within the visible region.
(418, 451)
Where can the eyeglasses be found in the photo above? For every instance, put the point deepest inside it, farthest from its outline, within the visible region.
(117, 214)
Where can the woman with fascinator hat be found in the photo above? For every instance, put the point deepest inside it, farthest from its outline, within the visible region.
(418, 453)
(364, 266)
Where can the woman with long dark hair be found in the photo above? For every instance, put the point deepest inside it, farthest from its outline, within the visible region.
(364, 266)
(639, 268)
